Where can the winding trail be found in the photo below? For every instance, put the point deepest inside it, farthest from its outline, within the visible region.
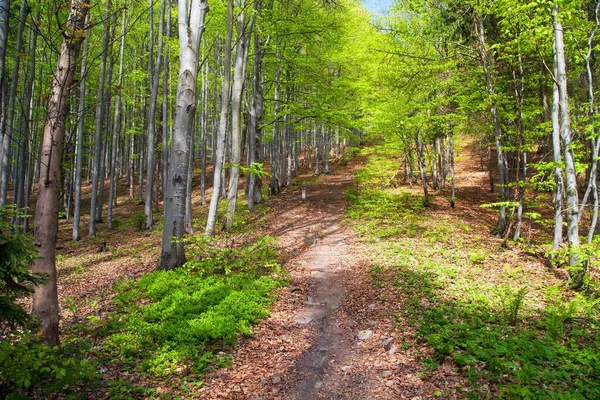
(326, 335)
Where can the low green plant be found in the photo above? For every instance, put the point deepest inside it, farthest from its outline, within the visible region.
(31, 370)
(177, 320)
(138, 221)
(17, 253)
(512, 302)
(478, 257)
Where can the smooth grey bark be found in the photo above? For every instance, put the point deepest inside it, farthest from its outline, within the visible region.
(220, 140)
(558, 175)
(191, 14)
(10, 111)
(274, 157)
(79, 148)
(165, 107)
(572, 198)
(256, 119)
(500, 156)
(96, 167)
(519, 94)
(203, 139)
(150, 155)
(45, 297)
(591, 187)
(239, 78)
(595, 141)
(106, 119)
(422, 166)
(189, 229)
(116, 130)
(451, 158)
(24, 149)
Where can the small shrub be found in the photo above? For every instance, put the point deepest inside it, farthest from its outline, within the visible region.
(17, 253)
(138, 221)
(30, 370)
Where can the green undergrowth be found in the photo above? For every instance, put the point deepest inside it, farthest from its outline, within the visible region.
(179, 322)
(167, 329)
(499, 323)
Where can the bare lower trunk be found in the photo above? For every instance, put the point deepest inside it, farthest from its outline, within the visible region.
(500, 156)
(112, 194)
(256, 118)
(572, 198)
(96, 173)
(165, 113)
(151, 159)
(45, 298)
(422, 167)
(239, 77)
(80, 128)
(220, 154)
(190, 26)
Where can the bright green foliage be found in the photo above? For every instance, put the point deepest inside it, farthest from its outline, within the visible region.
(28, 369)
(16, 255)
(499, 336)
(180, 319)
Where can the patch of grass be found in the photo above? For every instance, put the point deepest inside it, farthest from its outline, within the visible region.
(176, 321)
(382, 214)
(496, 322)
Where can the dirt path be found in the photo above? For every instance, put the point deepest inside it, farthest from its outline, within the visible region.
(325, 337)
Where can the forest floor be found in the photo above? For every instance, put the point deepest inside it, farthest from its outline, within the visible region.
(328, 336)
(387, 298)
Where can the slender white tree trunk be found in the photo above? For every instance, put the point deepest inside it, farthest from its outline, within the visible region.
(220, 154)
(239, 78)
(96, 173)
(112, 194)
(151, 159)
(190, 20)
(572, 198)
(80, 128)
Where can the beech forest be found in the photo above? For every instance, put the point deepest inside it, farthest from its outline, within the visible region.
(299, 199)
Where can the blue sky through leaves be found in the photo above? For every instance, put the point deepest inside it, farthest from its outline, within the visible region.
(378, 7)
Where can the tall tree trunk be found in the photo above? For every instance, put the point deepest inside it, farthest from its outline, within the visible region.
(45, 298)
(96, 163)
(256, 118)
(500, 156)
(220, 154)
(165, 106)
(151, 159)
(558, 175)
(20, 182)
(422, 166)
(191, 26)
(572, 198)
(239, 77)
(203, 144)
(451, 157)
(520, 95)
(594, 141)
(10, 111)
(116, 129)
(79, 150)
